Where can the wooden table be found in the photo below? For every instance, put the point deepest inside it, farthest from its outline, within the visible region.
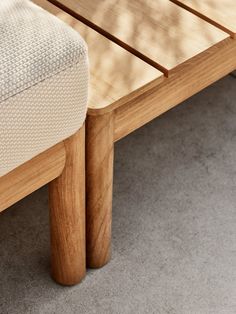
(146, 57)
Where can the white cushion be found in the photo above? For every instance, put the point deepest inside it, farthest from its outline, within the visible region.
(43, 82)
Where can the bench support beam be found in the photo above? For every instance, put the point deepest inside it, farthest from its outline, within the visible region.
(185, 81)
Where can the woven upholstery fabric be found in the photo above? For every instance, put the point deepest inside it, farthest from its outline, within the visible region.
(43, 82)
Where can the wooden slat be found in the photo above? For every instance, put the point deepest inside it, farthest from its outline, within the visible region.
(116, 75)
(189, 79)
(158, 31)
(221, 13)
(32, 175)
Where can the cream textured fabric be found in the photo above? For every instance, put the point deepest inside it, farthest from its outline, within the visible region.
(43, 82)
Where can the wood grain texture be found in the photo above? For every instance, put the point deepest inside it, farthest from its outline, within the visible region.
(67, 215)
(158, 31)
(99, 181)
(219, 13)
(116, 75)
(187, 80)
(32, 175)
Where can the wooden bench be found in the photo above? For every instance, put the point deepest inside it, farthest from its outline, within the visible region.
(182, 48)
(145, 58)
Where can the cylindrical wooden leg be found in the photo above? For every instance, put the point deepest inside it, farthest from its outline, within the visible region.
(67, 215)
(99, 181)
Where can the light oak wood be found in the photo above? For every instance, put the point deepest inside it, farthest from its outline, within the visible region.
(67, 214)
(221, 13)
(99, 180)
(116, 74)
(113, 113)
(187, 80)
(158, 31)
(32, 175)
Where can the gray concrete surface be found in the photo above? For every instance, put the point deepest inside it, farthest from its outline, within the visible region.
(174, 230)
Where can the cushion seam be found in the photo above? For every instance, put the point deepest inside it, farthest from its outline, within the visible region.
(82, 55)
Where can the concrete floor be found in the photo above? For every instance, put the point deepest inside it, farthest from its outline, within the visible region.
(174, 223)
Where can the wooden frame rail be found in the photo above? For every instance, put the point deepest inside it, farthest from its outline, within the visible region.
(187, 79)
(32, 175)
